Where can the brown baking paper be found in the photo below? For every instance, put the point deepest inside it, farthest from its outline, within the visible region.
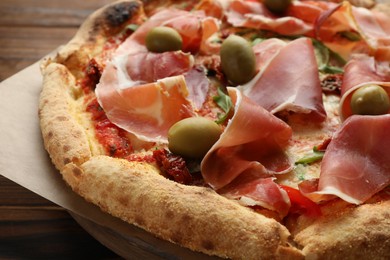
(24, 160)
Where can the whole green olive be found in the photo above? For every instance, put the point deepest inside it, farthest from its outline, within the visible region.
(238, 60)
(193, 137)
(370, 100)
(162, 39)
(277, 6)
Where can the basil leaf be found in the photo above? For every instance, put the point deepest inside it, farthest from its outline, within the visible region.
(225, 103)
(324, 56)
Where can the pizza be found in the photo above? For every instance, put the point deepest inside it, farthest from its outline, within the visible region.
(239, 129)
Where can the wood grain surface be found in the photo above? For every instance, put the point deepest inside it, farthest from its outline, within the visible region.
(32, 227)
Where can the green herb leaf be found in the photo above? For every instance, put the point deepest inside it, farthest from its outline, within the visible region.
(352, 36)
(311, 157)
(225, 103)
(324, 56)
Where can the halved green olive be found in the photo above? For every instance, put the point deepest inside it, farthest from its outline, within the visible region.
(277, 6)
(193, 137)
(370, 100)
(238, 60)
(162, 39)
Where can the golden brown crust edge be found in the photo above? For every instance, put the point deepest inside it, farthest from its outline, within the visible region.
(64, 139)
(347, 231)
(194, 217)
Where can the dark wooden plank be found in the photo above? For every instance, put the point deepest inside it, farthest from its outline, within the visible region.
(35, 233)
(22, 46)
(13, 195)
(47, 13)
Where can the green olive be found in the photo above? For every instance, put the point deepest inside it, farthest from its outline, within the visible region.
(161, 39)
(193, 137)
(238, 60)
(370, 100)
(277, 6)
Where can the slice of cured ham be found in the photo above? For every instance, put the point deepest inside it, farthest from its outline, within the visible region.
(356, 164)
(362, 70)
(146, 110)
(288, 78)
(253, 14)
(194, 28)
(347, 29)
(250, 148)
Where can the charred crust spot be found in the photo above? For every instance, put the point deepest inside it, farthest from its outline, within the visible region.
(139, 220)
(77, 172)
(169, 214)
(208, 245)
(49, 135)
(67, 160)
(116, 16)
(177, 238)
(66, 148)
(62, 118)
(123, 201)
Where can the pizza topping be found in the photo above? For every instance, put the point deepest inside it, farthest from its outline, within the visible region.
(262, 192)
(238, 60)
(301, 204)
(347, 29)
(161, 39)
(277, 6)
(354, 166)
(288, 80)
(312, 157)
(360, 72)
(253, 14)
(113, 138)
(193, 137)
(145, 110)
(194, 29)
(225, 103)
(173, 166)
(251, 148)
(370, 100)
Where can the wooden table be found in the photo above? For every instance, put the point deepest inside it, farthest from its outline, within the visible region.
(30, 226)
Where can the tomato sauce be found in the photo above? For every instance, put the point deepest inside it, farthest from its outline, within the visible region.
(109, 135)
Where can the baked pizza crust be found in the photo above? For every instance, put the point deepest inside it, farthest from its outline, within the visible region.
(346, 231)
(194, 217)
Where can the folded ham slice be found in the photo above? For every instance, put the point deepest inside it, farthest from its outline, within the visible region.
(356, 164)
(253, 14)
(194, 28)
(251, 148)
(288, 78)
(362, 70)
(347, 29)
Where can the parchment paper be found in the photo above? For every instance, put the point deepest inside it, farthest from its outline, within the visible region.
(24, 160)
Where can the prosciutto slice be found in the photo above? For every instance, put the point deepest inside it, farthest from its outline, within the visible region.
(362, 70)
(356, 164)
(145, 109)
(370, 29)
(250, 148)
(253, 14)
(194, 28)
(288, 78)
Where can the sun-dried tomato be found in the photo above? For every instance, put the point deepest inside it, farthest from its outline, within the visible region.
(332, 83)
(173, 166)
